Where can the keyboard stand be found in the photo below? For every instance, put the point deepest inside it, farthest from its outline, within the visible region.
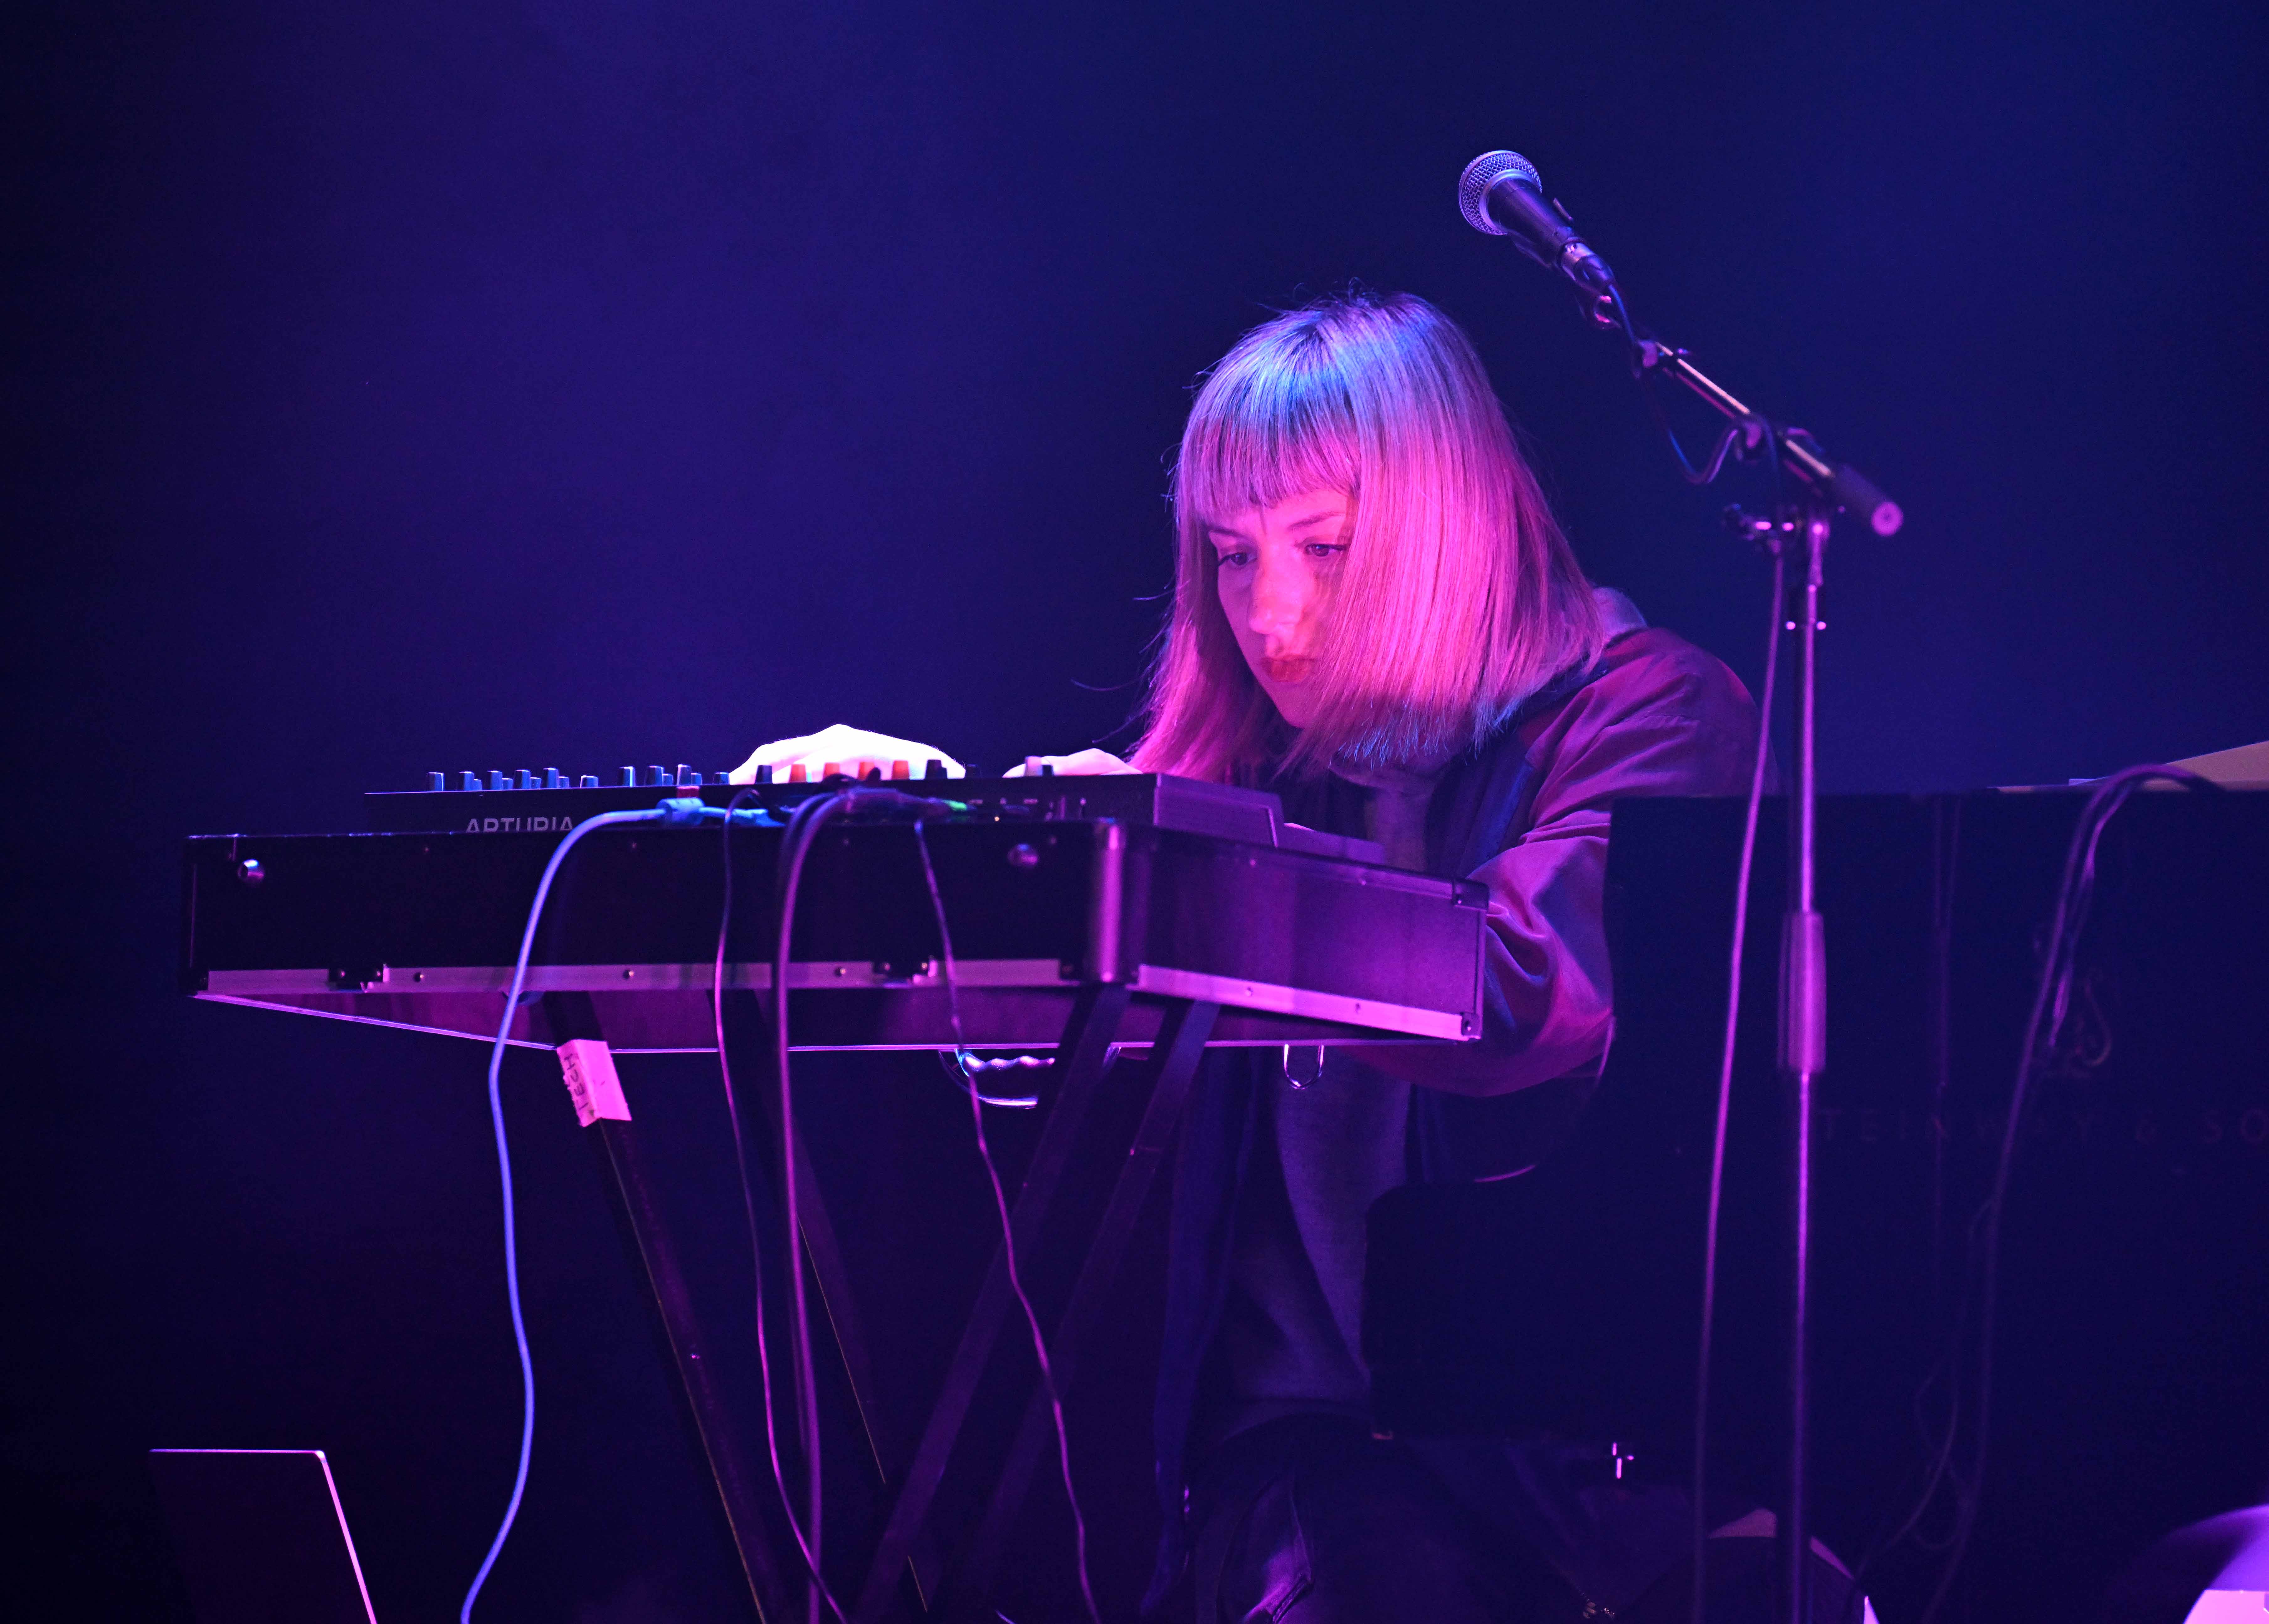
(906, 1546)
(1080, 1057)
(1081, 1060)
(1173, 1069)
(754, 1536)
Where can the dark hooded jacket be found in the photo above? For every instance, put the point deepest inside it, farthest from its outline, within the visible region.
(1527, 814)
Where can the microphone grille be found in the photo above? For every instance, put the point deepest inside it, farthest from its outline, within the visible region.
(1483, 173)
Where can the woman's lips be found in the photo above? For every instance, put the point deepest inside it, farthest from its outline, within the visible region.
(1287, 668)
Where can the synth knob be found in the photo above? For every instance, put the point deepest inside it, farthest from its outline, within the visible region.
(437, 781)
(472, 780)
(686, 777)
(934, 768)
(902, 770)
(630, 778)
(764, 772)
(590, 780)
(553, 779)
(497, 780)
(656, 775)
(249, 872)
(527, 778)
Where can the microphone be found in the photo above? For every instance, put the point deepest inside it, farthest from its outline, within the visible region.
(1500, 194)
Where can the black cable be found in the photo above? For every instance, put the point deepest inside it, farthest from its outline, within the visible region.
(2052, 1002)
(1726, 1085)
(1981, 1276)
(1746, 432)
(1008, 1229)
(804, 826)
(748, 1198)
(803, 829)
(1937, 1441)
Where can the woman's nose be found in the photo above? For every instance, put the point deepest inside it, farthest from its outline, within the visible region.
(1279, 598)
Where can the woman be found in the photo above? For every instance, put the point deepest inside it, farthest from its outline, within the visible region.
(1376, 616)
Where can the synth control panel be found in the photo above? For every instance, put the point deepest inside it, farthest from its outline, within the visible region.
(527, 802)
(658, 778)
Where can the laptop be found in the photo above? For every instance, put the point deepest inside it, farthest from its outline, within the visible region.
(261, 1536)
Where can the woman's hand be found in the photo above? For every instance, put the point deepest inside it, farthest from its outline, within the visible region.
(851, 750)
(1093, 762)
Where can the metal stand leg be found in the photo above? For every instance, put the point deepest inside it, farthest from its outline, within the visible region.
(748, 1031)
(1180, 1046)
(572, 1016)
(736, 1485)
(1079, 1065)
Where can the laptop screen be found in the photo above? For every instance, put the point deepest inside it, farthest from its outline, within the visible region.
(261, 1534)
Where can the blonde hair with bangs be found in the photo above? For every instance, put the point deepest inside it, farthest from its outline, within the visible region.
(1457, 597)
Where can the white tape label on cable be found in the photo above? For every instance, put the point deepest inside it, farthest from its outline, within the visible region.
(592, 1081)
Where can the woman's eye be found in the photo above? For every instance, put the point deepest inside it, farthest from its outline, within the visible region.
(1326, 550)
(1234, 560)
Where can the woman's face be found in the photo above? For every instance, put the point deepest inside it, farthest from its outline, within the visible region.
(1278, 567)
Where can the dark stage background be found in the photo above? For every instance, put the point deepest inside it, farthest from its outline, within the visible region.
(444, 385)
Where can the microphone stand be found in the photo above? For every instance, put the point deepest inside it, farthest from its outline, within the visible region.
(1803, 1033)
(1798, 530)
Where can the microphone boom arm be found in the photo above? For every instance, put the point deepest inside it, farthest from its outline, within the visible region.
(1843, 485)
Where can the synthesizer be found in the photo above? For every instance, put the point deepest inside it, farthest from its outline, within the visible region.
(1048, 885)
(551, 801)
(1082, 916)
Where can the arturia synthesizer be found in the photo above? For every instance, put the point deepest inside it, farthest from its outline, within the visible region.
(1173, 888)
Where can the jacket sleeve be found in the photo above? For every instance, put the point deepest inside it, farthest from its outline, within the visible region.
(1672, 722)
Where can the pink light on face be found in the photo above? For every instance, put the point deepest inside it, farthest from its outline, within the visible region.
(1275, 568)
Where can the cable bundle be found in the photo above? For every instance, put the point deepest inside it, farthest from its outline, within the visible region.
(1966, 1366)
